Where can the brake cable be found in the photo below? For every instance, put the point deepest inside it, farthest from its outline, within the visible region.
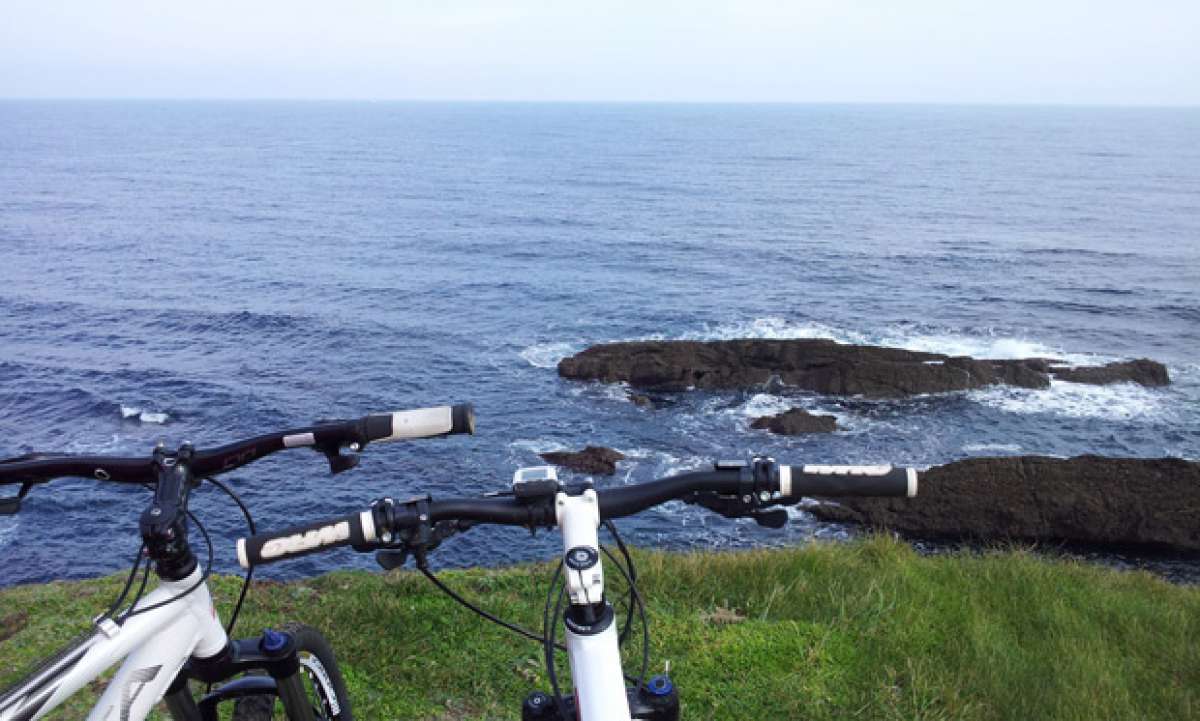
(449, 592)
(249, 571)
(550, 645)
(637, 600)
(199, 582)
(116, 605)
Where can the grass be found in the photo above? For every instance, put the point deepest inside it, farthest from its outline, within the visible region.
(865, 630)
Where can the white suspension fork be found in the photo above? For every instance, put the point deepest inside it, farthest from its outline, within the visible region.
(592, 643)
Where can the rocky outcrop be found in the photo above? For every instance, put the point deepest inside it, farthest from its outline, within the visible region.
(1144, 371)
(824, 366)
(595, 460)
(796, 422)
(1087, 499)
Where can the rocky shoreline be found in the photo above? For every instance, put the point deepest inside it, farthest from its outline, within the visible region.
(1149, 504)
(1118, 502)
(830, 368)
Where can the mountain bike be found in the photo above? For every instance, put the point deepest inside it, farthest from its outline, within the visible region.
(398, 529)
(171, 636)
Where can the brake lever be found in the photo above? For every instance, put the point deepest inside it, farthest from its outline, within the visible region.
(390, 558)
(735, 507)
(417, 541)
(774, 518)
(338, 461)
(11, 505)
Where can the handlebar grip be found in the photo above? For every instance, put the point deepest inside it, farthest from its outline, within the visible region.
(353, 529)
(421, 423)
(809, 480)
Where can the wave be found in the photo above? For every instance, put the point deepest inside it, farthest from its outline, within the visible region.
(1183, 312)
(536, 445)
(983, 342)
(8, 529)
(991, 448)
(1082, 252)
(1118, 402)
(144, 416)
(773, 328)
(613, 392)
(114, 445)
(547, 355)
(659, 463)
(763, 404)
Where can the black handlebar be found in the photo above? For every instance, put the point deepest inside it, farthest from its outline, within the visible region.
(732, 489)
(329, 438)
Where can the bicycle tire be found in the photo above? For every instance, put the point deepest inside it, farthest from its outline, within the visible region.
(322, 678)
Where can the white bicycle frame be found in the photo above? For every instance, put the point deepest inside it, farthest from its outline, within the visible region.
(595, 657)
(155, 645)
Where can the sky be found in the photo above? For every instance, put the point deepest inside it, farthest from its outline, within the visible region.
(942, 51)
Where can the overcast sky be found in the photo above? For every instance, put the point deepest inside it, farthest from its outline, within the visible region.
(990, 51)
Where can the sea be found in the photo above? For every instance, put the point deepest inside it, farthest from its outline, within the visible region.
(205, 271)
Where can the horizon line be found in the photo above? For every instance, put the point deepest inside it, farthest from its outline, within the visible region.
(521, 101)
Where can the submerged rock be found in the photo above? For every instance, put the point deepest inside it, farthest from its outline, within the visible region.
(595, 460)
(825, 366)
(641, 400)
(795, 422)
(1086, 499)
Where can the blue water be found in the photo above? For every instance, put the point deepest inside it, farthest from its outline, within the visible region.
(208, 270)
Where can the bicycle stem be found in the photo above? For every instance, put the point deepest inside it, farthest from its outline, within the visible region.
(593, 646)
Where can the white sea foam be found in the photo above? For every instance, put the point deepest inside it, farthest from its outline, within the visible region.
(766, 404)
(536, 445)
(984, 343)
(991, 448)
(616, 392)
(8, 529)
(115, 444)
(978, 343)
(641, 453)
(763, 404)
(155, 417)
(773, 328)
(985, 346)
(547, 355)
(652, 463)
(1121, 401)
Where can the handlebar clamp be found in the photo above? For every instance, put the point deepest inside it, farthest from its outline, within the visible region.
(417, 540)
(755, 492)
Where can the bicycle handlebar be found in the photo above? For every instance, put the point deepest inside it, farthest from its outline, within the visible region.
(783, 484)
(328, 438)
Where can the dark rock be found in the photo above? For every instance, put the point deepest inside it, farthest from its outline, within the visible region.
(1087, 499)
(795, 422)
(818, 365)
(595, 460)
(1143, 370)
(639, 399)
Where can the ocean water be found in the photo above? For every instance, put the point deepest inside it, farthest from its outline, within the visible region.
(205, 271)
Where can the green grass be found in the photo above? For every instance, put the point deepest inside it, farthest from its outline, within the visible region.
(864, 630)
